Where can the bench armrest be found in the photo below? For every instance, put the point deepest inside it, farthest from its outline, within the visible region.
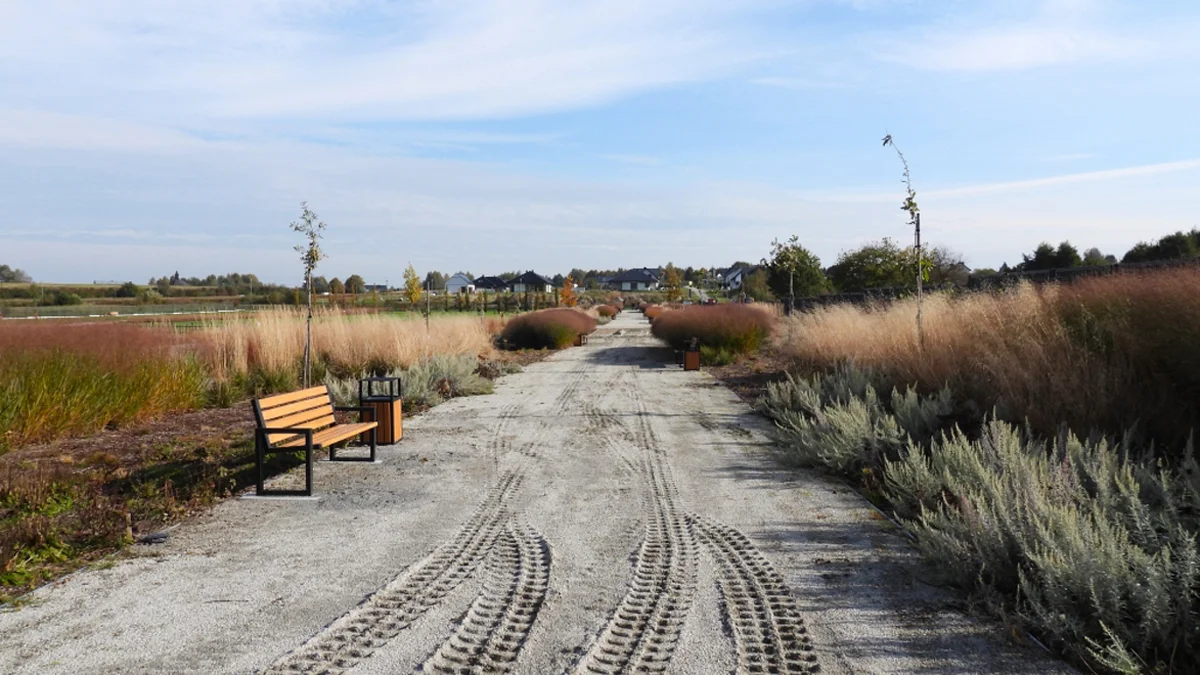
(359, 408)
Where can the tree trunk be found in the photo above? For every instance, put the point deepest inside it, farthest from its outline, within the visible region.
(308, 336)
(917, 230)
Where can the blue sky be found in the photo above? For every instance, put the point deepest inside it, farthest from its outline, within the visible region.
(140, 137)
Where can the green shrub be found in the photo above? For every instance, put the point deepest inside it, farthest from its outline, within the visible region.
(716, 356)
(62, 298)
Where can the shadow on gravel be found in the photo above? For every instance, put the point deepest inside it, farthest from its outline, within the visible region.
(640, 356)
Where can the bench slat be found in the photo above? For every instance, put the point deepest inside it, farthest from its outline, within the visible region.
(303, 419)
(315, 425)
(272, 414)
(281, 399)
(331, 435)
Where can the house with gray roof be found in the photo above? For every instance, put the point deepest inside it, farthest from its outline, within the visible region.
(531, 282)
(643, 279)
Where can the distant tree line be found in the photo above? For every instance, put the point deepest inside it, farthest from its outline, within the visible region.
(9, 275)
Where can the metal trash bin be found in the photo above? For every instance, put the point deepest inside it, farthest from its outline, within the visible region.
(384, 394)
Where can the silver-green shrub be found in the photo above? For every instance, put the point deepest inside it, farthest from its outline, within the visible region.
(443, 376)
(838, 421)
(837, 435)
(1093, 545)
(1096, 546)
(425, 383)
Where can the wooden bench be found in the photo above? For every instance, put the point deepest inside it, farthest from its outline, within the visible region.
(304, 420)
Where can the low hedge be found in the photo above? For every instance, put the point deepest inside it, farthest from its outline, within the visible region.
(546, 329)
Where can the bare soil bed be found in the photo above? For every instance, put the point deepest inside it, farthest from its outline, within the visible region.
(603, 511)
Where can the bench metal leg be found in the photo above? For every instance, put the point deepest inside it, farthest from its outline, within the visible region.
(260, 453)
(258, 461)
(308, 461)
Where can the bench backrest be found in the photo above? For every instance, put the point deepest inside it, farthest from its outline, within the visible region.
(305, 409)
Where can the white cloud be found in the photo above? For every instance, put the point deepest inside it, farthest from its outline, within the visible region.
(1069, 157)
(43, 129)
(642, 160)
(1028, 185)
(195, 213)
(1017, 48)
(800, 83)
(368, 60)
(1069, 179)
(1051, 33)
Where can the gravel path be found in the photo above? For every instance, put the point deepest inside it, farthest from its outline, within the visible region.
(602, 512)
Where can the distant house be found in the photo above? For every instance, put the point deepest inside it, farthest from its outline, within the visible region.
(459, 283)
(735, 276)
(490, 284)
(531, 282)
(635, 280)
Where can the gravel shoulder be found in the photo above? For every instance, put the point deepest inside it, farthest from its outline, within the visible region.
(603, 511)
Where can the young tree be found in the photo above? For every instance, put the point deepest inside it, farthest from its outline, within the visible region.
(355, 284)
(568, 296)
(310, 254)
(914, 218)
(794, 269)
(672, 280)
(412, 286)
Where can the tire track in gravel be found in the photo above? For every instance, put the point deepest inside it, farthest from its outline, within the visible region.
(564, 400)
(642, 633)
(768, 631)
(383, 615)
(495, 627)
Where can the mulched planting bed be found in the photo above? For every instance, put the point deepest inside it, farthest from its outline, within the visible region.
(72, 501)
(748, 377)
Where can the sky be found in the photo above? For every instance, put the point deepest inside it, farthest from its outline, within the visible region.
(139, 138)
